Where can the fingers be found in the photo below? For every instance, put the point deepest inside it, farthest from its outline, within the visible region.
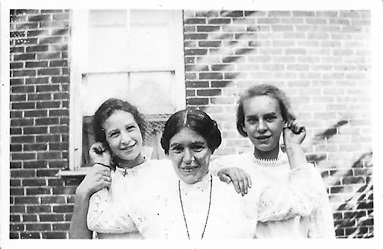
(224, 178)
(241, 182)
(295, 125)
(98, 148)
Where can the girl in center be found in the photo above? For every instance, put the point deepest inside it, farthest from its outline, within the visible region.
(190, 202)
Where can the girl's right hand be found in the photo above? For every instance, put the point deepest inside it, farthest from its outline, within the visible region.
(97, 178)
(100, 154)
(240, 179)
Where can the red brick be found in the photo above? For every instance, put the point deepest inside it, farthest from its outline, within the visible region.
(195, 36)
(197, 101)
(23, 89)
(48, 155)
(195, 51)
(23, 73)
(34, 64)
(23, 173)
(35, 164)
(38, 227)
(63, 209)
(39, 208)
(209, 92)
(195, 21)
(52, 199)
(210, 76)
(30, 235)
(26, 200)
(30, 218)
(37, 191)
(36, 113)
(23, 156)
(35, 130)
(54, 235)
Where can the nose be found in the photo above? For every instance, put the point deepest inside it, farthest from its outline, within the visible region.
(261, 127)
(125, 137)
(188, 157)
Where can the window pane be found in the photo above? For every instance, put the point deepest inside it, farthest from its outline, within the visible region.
(151, 38)
(99, 87)
(151, 92)
(108, 49)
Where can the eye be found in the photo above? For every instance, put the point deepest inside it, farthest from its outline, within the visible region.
(130, 127)
(270, 118)
(114, 134)
(177, 149)
(251, 120)
(198, 147)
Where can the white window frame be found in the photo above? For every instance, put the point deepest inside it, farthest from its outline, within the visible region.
(78, 50)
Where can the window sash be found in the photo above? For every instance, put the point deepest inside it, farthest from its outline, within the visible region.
(79, 71)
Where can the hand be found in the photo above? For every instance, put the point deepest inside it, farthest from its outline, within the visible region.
(97, 178)
(293, 133)
(240, 179)
(99, 154)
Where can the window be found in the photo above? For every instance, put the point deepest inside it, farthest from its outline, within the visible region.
(135, 55)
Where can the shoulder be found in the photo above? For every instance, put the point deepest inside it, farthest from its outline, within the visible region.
(234, 160)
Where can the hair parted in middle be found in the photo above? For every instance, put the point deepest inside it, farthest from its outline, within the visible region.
(264, 90)
(197, 121)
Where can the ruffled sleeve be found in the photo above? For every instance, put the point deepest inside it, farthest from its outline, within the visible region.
(107, 214)
(322, 220)
(299, 198)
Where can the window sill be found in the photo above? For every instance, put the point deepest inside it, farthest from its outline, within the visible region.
(73, 173)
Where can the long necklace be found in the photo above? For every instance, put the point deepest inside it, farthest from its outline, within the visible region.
(183, 211)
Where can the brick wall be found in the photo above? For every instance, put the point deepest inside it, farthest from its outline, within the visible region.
(39, 116)
(322, 60)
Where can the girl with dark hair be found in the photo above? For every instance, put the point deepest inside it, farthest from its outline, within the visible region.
(264, 115)
(192, 203)
(117, 154)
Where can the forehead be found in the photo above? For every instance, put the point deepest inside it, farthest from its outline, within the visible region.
(187, 135)
(259, 105)
(117, 119)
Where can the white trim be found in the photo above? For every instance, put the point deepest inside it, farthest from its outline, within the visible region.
(77, 57)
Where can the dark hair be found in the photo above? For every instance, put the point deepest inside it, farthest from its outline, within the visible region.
(107, 109)
(195, 120)
(263, 90)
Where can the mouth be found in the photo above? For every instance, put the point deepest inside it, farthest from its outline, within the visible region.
(263, 138)
(128, 148)
(189, 169)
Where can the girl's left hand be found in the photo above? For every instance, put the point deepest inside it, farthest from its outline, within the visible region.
(293, 133)
(240, 179)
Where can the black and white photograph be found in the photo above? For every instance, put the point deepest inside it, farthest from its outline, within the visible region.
(191, 125)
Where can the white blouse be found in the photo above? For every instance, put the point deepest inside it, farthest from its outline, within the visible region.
(163, 207)
(318, 223)
(123, 182)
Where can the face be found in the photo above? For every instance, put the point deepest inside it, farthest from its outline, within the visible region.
(190, 155)
(263, 125)
(123, 135)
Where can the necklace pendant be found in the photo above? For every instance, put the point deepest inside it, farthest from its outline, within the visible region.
(125, 172)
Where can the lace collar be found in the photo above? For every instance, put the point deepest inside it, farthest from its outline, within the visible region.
(281, 160)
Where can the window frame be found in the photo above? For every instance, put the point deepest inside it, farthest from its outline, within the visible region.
(78, 48)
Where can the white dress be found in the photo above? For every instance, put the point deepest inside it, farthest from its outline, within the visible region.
(163, 207)
(123, 182)
(317, 224)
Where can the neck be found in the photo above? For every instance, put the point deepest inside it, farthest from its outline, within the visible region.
(267, 155)
(128, 164)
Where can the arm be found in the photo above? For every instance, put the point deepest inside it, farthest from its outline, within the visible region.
(240, 179)
(322, 220)
(304, 190)
(97, 178)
